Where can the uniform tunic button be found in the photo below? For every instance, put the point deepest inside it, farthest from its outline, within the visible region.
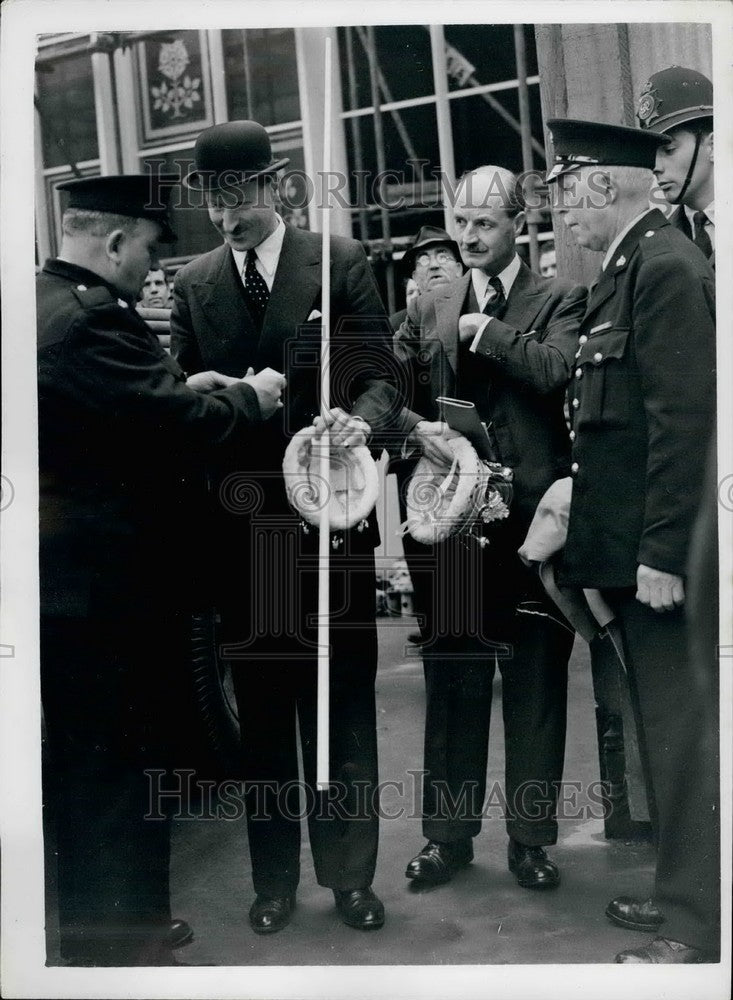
(598, 356)
(574, 467)
(572, 435)
(576, 403)
(582, 339)
(81, 288)
(578, 372)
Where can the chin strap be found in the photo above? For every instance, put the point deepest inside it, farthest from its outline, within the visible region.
(690, 170)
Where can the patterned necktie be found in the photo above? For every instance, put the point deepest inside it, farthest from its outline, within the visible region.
(256, 291)
(496, 301)
(702, 240)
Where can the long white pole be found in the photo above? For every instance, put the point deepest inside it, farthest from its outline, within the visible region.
(322, 734)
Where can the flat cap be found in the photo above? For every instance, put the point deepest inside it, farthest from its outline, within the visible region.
(581, 143)
(141, 196)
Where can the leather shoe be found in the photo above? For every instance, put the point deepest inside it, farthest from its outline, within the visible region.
(532, 867)
(438, 862)
(662, 951)
(271, 913)
(359, 908)
(634, 914)
(181, 933)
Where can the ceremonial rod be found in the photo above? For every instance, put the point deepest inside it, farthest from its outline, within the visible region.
(322, 732)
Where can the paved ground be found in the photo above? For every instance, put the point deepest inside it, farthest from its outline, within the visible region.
(482, 917)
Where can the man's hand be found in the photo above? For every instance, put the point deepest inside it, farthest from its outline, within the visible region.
(208, 381)
(432, 438)
(345, 431)
(268, 384)
(159, 320)
(661, 591)
(468, 325)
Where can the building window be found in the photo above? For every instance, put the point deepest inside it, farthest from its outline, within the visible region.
(262, 75)
(65, 103)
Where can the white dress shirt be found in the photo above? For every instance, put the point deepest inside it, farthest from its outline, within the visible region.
(267, 254)
(483, 290)
(709, 220)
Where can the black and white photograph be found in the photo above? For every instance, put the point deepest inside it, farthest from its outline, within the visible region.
(367, 500)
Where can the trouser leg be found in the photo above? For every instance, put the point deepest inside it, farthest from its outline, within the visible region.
(113, 860)
(534, 706)
(678, 722)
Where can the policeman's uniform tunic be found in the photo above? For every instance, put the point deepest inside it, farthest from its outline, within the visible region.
(642, 403)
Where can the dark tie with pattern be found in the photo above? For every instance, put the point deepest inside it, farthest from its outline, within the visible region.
(702, 240)
(496, 301)
(256, 291)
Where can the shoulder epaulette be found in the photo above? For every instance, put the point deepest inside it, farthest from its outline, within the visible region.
(91, 297)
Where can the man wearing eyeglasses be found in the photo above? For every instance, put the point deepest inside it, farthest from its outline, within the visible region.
(433, 260)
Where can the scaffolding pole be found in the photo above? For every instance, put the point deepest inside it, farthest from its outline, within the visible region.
(381, 165)
(442, 111)
(356, 136)
(526, 135)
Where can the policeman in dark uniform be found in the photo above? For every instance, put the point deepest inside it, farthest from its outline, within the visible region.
(678, 102)
(121, 437)
(642, 405)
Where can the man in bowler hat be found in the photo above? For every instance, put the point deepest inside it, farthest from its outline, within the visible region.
(642, 404)
(257, 301)
(122, 436)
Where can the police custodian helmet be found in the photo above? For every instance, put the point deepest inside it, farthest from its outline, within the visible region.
(673, 97)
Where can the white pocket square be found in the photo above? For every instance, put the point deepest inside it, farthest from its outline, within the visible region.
(314, 315)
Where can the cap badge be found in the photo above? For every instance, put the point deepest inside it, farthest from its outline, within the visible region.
(648, 104)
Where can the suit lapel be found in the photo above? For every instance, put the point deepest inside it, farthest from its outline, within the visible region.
(220, 296)
(448, 307)
(296, 285)
(526, 299)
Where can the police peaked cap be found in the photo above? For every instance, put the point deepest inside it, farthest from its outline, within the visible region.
(141, 196)
(672, 97)
(580, 143)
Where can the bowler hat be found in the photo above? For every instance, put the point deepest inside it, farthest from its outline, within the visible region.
(580, 143)
(232, 153)
(673, 97)
(140, 196)
(429, 236)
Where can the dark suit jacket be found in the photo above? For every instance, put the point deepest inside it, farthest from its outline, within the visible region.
(212, 329)
(643, 408)
(676, 219)
(526, 359)
(120, 440)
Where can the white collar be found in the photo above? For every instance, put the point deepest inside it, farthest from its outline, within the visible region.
(507, 277)
(267, 253)
(617, 242)
(709, 213)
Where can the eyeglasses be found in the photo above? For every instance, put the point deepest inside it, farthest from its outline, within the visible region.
(427, 258)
